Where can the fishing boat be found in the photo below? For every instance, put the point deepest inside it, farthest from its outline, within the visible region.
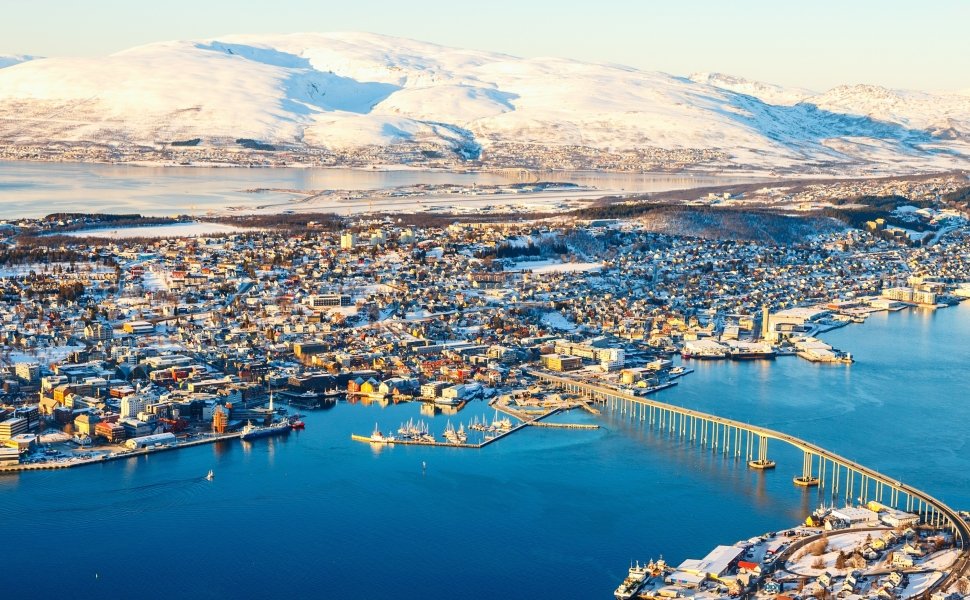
(379, 438)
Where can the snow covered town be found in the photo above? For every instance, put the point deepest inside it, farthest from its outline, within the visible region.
(850, 553)
(175, 334)
(114, 339)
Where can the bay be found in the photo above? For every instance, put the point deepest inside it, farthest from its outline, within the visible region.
(543, 513)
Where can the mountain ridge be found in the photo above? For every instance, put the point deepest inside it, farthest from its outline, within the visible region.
(345, 91)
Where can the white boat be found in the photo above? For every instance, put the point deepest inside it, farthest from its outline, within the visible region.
(210, 475)
(379, 437)
(629, 587)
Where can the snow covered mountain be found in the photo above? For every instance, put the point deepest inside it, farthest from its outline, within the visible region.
(344, 91)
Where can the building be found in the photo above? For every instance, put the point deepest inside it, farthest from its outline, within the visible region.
(98, 331)
(112, 432)
(133, 404)
(147, 441)
(138, 327)
(28, 372)
(348, 241)
(85, 424)
(558, 362)
(9, 457)
(329, 300)
(220, 419)
(433, 389)
(12, 427)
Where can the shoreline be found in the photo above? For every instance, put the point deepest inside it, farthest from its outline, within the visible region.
(103, 458)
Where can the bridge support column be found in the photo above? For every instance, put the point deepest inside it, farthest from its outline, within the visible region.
(807, 478)
(762, 462)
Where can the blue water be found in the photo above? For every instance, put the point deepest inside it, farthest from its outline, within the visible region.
(543, 513)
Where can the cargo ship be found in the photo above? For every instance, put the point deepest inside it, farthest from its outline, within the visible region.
(252, 432)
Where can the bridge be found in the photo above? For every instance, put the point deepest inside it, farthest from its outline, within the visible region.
(841, 477)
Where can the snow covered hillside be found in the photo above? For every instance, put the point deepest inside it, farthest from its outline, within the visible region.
(342, 91)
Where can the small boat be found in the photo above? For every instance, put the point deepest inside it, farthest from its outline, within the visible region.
(298, 424)
(210, 475)
(379, 438)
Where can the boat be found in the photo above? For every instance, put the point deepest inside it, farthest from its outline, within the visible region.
(297, 424)
(379, 438)
(635, 579)
(252, 432)
(210, 475)
(442, 401)
(751, 353)
(451, 435)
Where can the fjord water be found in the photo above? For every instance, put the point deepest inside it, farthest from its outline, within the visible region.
(543, 513)
(38, 189)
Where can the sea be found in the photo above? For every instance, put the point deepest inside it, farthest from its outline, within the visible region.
(543, 513)
(37, 189)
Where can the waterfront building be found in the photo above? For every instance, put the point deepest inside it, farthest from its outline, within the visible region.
(12, 426)
(147, 441)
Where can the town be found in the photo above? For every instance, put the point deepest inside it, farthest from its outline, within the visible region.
(116, 346)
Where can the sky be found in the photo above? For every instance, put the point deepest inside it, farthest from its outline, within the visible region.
(815, 44)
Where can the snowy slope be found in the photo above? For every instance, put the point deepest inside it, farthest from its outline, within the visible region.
(347, 90)
(766, 92)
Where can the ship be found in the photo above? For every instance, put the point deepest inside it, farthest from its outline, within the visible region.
(252, 432)
(753, 352)
(379, 438)
(635, 579)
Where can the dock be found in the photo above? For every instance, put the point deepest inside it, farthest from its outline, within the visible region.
(536, 421)
(103, 458)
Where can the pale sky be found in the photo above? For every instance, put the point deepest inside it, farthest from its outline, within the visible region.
(918, 44)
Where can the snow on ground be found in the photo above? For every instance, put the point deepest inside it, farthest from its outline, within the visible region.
(175, 230)
(153, 281)
(355, 89)
(845, 542)
(44, 356)
(554, 266)
(42, 268)
(557, 320)
(919, 583)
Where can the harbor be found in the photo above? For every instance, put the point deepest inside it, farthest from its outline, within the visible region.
(411, 435)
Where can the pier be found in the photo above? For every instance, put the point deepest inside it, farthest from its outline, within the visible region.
(833, 475)
(105, 457)
(536, 421)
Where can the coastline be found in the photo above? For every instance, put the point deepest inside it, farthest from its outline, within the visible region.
(103, 458)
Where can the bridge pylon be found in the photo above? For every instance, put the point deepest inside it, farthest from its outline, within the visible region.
(807, 478)
(762, 462)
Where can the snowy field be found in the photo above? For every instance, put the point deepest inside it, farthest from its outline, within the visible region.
(44, 356)
(160, 231)
(554, 266)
